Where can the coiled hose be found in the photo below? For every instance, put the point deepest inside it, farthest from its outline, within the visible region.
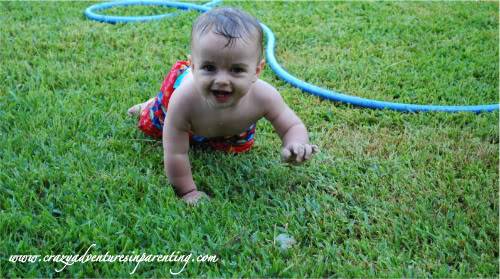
(271, 60)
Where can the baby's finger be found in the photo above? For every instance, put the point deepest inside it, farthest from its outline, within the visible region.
(195, 198)
(298, 149)
(191, 200)
(315, 148)
(308, 152)
(285, 154)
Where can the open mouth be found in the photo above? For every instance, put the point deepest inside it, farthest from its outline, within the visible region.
(221, 96)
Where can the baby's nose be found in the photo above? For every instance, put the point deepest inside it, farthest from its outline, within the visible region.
(222, 79)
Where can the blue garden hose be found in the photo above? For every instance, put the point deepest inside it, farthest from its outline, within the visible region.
(275, 66)
(90, 11)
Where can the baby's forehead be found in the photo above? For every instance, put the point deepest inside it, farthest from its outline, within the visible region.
(212, 37)
(250, 37)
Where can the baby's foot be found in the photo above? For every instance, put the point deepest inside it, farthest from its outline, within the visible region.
(136, 109)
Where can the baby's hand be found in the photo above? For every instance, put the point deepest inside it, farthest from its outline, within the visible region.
(192, 198)
(298, 152)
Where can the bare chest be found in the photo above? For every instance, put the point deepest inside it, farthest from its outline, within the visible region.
(220, 124)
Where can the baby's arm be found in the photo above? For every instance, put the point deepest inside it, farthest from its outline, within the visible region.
(177, 166)
(175, 150)
(293, 133)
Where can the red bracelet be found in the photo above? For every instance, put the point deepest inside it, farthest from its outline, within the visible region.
(188, 192)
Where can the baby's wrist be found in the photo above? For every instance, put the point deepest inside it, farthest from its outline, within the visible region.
(182, 193)
(292, 142)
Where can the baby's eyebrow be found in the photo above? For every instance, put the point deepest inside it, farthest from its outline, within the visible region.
(242, 65)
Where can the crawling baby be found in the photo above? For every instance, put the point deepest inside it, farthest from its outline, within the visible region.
(215, 99)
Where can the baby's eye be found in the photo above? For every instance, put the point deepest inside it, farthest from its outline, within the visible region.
(238, 70)
(208, 68)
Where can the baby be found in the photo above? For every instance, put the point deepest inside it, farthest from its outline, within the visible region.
(216, 97)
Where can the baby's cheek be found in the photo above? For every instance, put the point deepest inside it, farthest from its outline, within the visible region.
(203, 84)
(243, 86)
(199, 78)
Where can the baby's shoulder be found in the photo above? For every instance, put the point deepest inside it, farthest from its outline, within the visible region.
(184, 96)
(181, 104)
(265, 94)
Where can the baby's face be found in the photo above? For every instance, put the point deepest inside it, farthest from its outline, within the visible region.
(224, 74)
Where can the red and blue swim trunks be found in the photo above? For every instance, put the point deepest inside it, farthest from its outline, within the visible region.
(152, 117)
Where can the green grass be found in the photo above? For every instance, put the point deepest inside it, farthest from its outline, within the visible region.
(390, 195)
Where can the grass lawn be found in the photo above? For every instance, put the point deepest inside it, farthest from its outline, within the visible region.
(390, 195)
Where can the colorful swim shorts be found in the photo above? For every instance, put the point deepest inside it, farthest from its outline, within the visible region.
(152, 117)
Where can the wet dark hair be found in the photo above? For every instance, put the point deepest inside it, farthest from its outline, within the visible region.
(230, 23)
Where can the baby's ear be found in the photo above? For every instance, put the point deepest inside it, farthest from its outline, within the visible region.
(190, 60)
(259, 69)
(261, 66)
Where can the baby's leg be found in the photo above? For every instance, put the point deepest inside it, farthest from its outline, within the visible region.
(136, 109)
